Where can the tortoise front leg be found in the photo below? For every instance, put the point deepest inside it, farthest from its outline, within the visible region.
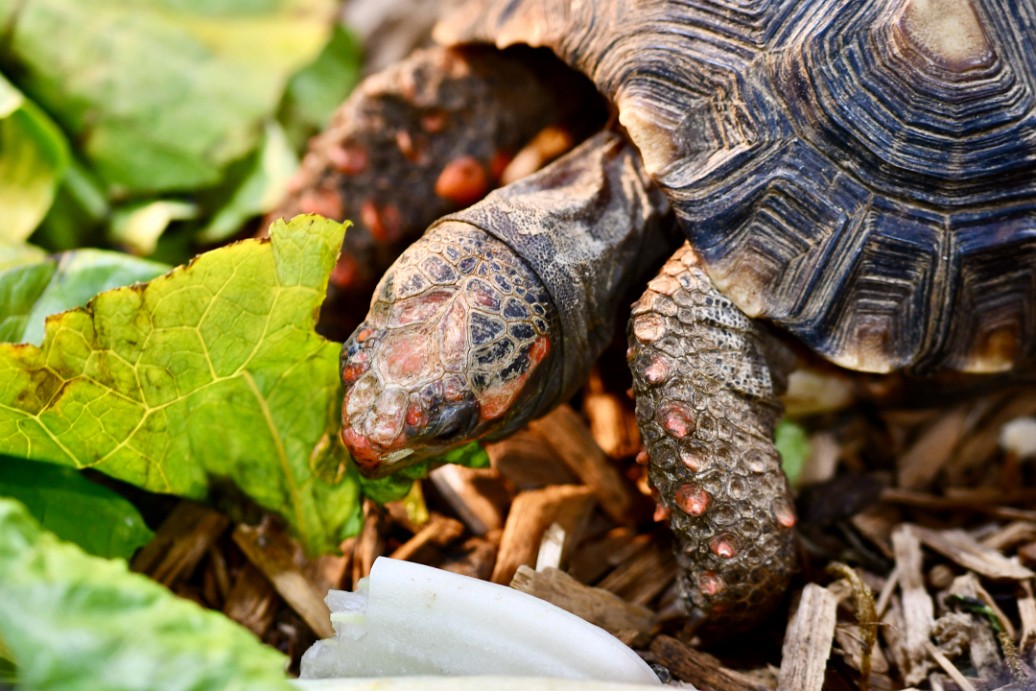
(706, 380)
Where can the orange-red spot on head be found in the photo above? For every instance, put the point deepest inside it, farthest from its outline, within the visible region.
(724, 546)
(361, 450)
(404, 357)
(352, 371)
(498, 399)
(416, 416)
(539, 350)
(692, 499)
(463, 181)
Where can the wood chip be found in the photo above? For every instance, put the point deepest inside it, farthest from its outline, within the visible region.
(984, 440)
(1027, 614)
(475, 557)
(369, 544)
(528, 462)
(1010, 535)
(631, 623)
(476, 495)
(983, 646)
(948, 667)
(531, 514)
(699, 668)
(252, 600)
(965, 550)
(642, 576)
(279, 557)
(918, 609)
(930, 501)
(180, 542)
(566, 433)
(807, 642)
(612, 424)
(439, 531)
(925, 458)
(596, 557)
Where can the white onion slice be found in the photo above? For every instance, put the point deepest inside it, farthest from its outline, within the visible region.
(409, 619)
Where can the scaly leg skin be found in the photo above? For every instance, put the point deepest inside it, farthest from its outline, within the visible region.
(498, 312)
(706, 380)
(421, 139)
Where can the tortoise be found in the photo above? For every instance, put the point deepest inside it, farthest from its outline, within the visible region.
(855, 176)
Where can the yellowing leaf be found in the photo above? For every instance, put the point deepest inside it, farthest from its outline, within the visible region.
(211, 374)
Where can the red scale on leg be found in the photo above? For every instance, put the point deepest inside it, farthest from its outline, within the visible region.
(692, 499)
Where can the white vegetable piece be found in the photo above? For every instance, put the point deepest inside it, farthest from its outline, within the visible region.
(409, 619)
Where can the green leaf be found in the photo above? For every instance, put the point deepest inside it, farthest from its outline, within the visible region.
(94, 517)
(209, 374)
(792, 444)
(21, 285)
(33, 291)
(471, 455)
(33, 157)
(258, 190)
(161, 95)
(72, 621)
(79, 209)
(315, 92)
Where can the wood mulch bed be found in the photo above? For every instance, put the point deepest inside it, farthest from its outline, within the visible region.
(918, 525)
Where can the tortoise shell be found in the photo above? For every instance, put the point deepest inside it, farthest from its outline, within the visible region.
(860, 173)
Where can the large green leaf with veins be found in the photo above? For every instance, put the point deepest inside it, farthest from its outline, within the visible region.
(210, 374)
(72, 621)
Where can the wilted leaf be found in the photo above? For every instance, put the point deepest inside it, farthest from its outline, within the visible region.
(212, 373)
(72, 621)
(94, 517)
(44, 285)
(161, 95)
(33, 156)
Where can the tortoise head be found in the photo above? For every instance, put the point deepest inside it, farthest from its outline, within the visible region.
(452, 350)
